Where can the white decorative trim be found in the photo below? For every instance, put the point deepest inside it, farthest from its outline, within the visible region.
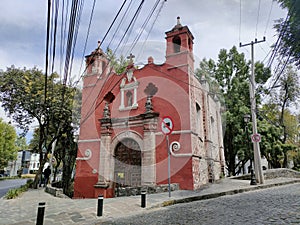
(175, 147)
(134, 106)
(127, 134)
(89, 140)
(88, 155)
(128, 87)
(89, 86)
(177, 132)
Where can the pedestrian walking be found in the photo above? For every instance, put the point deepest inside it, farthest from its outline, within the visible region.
(47, 173)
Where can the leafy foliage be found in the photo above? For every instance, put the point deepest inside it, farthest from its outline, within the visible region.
(276, 112)
(21, 143)
(229, 79)
(22, 92)
(288, 30)
(8, 149)
(118, 64)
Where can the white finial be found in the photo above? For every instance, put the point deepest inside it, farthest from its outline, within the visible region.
(178, 20)
(99, 43)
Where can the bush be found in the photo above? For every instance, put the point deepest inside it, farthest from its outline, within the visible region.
(13, 193)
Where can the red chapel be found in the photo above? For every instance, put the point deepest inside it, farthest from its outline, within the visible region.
(128, 120)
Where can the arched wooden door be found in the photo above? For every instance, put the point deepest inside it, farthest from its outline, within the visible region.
(128, 163)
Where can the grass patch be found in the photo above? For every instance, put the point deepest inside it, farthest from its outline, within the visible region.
(14, 193)
(28, 176)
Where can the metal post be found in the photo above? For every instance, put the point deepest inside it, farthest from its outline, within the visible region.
(169, 165)
(40, 213)
(143, 199)
(100, 205)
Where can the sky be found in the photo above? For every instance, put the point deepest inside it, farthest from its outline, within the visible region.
(215, 24)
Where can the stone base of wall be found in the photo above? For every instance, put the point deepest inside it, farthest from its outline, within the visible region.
(57, 192)
(153, 189)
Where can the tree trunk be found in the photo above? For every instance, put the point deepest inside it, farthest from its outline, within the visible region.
(68, 165)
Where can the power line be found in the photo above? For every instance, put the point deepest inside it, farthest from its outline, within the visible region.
(103, 69)
(258, 11)
(269, 16)
(47, 50)
(100, 42)
(143, 27)
(135, 15)
(86, 40)
(156, 17)
(240, 25)
(54, 33)
(131, 24)
(113, 22)
(78, 16)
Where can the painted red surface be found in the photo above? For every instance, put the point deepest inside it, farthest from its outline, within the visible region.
(172, 99)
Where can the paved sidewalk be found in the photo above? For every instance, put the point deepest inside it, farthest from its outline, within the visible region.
(23, 210)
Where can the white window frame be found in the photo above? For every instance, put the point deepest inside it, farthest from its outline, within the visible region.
(129, 87)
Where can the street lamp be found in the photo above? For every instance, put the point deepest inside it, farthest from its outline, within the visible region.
(247, 120)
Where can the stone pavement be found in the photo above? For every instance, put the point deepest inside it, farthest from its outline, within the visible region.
(23, 210)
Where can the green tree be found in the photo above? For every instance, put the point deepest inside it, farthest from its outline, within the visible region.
(118, 64)
(22, 92)
(21, 143)
(229, 79)
(279, 142)
(279, 103)
(8, 149)
(288, 30)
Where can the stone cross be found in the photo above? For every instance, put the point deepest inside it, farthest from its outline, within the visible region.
(131, 57)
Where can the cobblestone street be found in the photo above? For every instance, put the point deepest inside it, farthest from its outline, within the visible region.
(277, 205)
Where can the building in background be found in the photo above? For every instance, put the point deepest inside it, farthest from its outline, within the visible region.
(21, 165)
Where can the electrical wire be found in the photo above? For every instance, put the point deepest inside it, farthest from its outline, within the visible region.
(100, 42)
(240, 24)
(78, 16)
(85, 43)
(83, 103)
(269, 16)
(143, 27)
(54, 33)
(92, 108)
(131, 24)
(258, 11)
(156, 17)
(113, 22)
(122, 20)
(47, 50)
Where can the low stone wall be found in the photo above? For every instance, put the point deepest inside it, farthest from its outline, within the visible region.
(153, 189)
(273, 173)
(282, 172)
(57, 192)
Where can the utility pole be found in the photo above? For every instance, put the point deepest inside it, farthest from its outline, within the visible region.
(257, 158)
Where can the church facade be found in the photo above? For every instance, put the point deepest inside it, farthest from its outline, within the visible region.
(148, 126)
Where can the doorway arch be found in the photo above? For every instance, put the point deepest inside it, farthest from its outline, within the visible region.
(128, 163)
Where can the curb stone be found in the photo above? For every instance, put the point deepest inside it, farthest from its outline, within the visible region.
(216, 195)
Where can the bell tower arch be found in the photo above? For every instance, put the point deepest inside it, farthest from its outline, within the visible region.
(179, 50)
